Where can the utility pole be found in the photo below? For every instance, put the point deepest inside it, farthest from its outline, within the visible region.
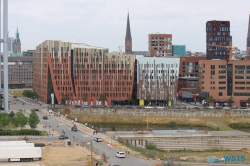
(5, 56)
(147, 127)
(91, 148)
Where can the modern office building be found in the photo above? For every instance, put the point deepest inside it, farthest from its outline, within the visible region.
(222, 79)
(160, 44)
(248, 38)
(11, 41)
(157, 78)
(83, 73)
(17, 43)
(189, 74)
(28, 53)
(179, 50)
(20, 72)
(128, 38)
(218, 33)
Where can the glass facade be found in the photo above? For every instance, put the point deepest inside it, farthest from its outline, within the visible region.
(179, 50)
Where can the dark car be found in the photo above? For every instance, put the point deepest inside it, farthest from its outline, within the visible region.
(14, 96)
(74, 128)
(45, 117)
(63, 137)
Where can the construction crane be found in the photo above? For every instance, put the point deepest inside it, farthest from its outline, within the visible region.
(229, 47)
(120, 49)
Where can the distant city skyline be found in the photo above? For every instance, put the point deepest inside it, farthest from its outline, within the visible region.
(103, 23)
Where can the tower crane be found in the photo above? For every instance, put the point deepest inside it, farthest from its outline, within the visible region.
(120, 49)
(229, 47)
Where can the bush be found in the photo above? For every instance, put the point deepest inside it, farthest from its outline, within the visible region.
(151, 146)
(239, 125)
(171, 124)
(19, 132)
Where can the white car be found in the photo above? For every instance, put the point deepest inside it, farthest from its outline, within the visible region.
(120, 154)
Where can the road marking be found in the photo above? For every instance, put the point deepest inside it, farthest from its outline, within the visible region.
(61, 124)
(85, 135)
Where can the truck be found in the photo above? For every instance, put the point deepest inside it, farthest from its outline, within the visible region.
(15, 145)
(21, 153)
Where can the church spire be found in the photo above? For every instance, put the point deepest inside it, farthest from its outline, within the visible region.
(128, 38)
(248, 37)
(248, 32)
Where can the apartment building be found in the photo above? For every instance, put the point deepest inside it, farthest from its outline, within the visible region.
(218, 33)
(20, 72)
(160, 44)
(157, 77)
(82, 73)
(189, 74)
(222, 79)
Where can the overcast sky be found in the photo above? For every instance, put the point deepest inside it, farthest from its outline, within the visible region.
(103, 22)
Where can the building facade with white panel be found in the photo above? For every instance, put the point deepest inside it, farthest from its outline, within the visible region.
(157, 80)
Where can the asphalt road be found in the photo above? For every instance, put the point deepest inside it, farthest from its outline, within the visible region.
(80, 136)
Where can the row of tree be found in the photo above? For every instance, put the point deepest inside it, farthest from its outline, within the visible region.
(103, 98)
(16, 120)
(230, 100)
(30, 94)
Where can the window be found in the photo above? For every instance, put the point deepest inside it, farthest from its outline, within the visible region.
(222, 77)
(239, 88)
(212, 66)
(212, 72)
(222, 71)
(220, 94)
(239, 77)
(239, 82)
(222, 82)
(222, 66)
(221, 88)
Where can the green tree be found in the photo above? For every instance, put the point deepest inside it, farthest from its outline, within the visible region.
(230, 101)
(148, 98)
(130, 100)
(85, 97)
(11, 114)
(211, 100)
(22, 120)
(30, 94)
(33, 120)
(4, 120)
(66, 98)
(102, 98)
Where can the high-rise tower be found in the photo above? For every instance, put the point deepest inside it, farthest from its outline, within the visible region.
(17, 43)
(248, 37)
(128, 38)
(218, 33)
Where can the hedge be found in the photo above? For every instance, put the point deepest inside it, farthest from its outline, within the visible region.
(19, 132)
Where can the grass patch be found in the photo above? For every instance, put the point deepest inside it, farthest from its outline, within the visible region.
(43, 133)
(16, 92)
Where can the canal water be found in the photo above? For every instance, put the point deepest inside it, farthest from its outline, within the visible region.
(142, 127)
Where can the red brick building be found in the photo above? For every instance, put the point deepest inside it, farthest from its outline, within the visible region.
(79, 73)
(189, 74)
(160, 44)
